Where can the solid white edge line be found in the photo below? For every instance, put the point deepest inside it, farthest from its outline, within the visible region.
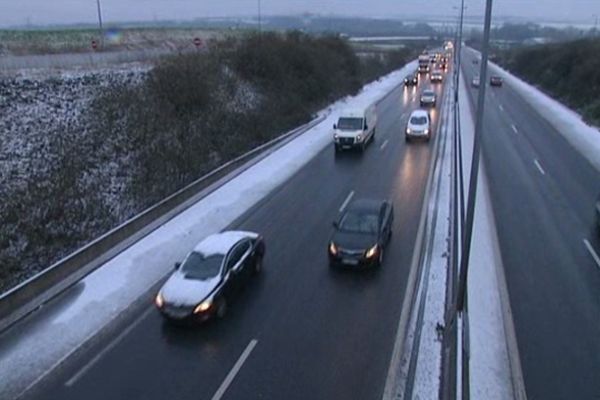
(592, 252)
(384, 144)
(62, 359)
(108, 348)
(514, 128)
(348, 198)
(501, 108)
(234, 371)
(539, 166)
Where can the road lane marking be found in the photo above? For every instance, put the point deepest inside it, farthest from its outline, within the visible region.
(384, 144)
(501, 108)
(592, 252)
(234, 371)
(514, 128)
(108, 348)
(539, 166)
(345, 203)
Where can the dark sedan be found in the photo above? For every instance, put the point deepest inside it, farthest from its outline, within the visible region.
(411, 80)
(495, 80)
(361, 234)
(203, 285)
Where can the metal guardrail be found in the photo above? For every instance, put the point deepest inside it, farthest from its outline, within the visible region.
(39, 289)
(33, 293)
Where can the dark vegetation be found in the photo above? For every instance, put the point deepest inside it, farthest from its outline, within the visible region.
(136, 143)
(569, 72)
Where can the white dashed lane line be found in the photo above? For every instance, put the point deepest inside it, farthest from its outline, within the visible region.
(345, 203)
(592, 252)
(539, 167)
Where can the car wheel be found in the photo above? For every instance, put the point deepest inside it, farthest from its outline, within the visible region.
(406, 139)
(258, 265)
(222, 308)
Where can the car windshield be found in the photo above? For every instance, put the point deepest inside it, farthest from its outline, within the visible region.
(418, 120)
(359, 222)
(200, 267)
(350, 124)
(428, 93)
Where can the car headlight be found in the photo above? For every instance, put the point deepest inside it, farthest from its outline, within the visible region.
(407, 130)
(427, 131)
(359, 137)
(333, 249)
(159, 300)
(372, 251)
(335, 136)
(204, 306)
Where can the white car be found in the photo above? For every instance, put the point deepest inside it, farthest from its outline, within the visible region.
(436, 76)
(203, 285)
(418, 126)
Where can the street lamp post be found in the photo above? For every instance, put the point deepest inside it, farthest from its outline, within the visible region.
(259, 18)
(468, 234)
(459, 48)
(100, 24)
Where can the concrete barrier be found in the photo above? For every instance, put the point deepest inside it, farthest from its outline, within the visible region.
(41, 288)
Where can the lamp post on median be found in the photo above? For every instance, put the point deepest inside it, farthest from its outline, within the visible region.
(468, 234)
(458, 48)
(259, 19)
(101, 29)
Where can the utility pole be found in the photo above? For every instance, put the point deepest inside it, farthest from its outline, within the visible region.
(100, 24)
(468, 234)
(458, 49)
(259, 19)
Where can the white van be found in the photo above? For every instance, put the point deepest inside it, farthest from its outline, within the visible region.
(355, 129)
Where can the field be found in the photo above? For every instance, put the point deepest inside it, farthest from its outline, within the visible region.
(29, 42)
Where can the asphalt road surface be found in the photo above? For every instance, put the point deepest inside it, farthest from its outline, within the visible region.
(543, 194)
(298, 331)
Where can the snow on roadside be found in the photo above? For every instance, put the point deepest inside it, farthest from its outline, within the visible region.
(112, 288)
(490, 371)
(435, 270)
(583, 137)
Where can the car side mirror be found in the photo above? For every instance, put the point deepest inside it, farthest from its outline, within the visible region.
(335, 224)
(334, 126)
(177, 265)
(366, 127)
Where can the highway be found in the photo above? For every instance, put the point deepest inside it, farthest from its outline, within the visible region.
(543, 193)
(300, 330)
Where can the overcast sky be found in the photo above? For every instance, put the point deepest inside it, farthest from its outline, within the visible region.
(19, 12)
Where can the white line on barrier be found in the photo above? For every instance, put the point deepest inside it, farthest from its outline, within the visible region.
(514, 128)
